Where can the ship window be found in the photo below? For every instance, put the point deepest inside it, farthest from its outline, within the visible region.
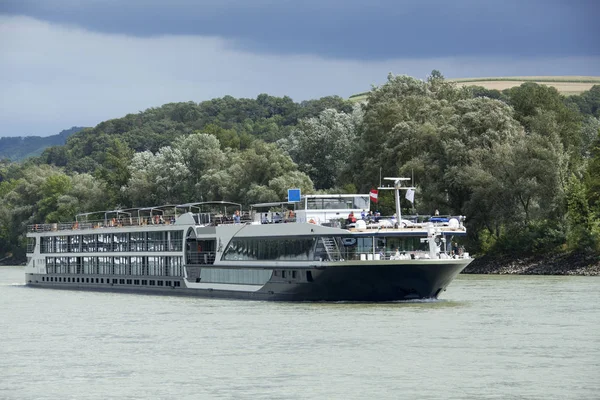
(294, 274)
(176, 240)
(122, 281)
(152, 282)
(284, 249)
(101, 280)
(30, 244)
(144, 282)
(114, 281)
(160, 283)
(309, 277)
(276, 273)
(167, 283)
(283, 274)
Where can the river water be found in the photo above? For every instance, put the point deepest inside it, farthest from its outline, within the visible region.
(490, 337)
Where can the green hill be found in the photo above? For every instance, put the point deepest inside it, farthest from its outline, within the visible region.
(22, 147)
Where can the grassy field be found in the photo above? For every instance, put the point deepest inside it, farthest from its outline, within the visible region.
(566, 85)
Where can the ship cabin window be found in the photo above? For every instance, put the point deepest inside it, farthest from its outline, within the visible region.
(136, 281)
(30, 244)
(137, 241)
(309, 277)
(101, 280)
(338, 203)
(160, 283)
(293, 274)
(175, 240)
(284, 249)
(283, 274)
(144, 282)
(167, 283)
(201, 251)
(74, 244)
(355, 247)
(152, 282)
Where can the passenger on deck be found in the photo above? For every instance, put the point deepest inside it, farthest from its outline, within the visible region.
(363, 215)
(236, 217)
(265, 219)
(351, 218)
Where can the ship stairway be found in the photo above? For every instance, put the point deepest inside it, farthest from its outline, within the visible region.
(332, 249)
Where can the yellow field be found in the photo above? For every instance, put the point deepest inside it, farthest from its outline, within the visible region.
(566, 85)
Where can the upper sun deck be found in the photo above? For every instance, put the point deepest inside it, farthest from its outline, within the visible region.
(333, 210)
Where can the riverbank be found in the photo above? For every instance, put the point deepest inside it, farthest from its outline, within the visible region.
(584, 264)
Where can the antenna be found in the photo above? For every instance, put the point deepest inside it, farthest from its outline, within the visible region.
(397, 187)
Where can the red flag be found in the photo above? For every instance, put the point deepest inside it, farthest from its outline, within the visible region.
(373, 195)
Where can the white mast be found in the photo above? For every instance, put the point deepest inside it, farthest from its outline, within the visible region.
(397, 187)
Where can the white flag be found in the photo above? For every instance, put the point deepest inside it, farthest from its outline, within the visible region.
(410, 195)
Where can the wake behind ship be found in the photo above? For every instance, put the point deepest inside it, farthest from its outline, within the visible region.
(306, 251)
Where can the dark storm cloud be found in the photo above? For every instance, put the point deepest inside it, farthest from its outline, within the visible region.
(351, 29)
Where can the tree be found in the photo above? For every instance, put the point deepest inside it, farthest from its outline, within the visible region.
(323, 147)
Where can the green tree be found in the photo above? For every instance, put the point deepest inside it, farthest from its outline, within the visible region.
(323, 147)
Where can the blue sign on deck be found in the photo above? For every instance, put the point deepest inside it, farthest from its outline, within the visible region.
(294, 195)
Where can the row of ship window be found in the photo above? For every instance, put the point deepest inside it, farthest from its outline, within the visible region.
(280, 249)
(143, 282)
(146, 265)
(105, 242)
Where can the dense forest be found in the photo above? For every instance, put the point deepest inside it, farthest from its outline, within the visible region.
(523, 165)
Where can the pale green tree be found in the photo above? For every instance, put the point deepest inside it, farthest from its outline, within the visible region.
(324, 146)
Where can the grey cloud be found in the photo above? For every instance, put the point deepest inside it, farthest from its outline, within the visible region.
(54, 77)
(349, 29)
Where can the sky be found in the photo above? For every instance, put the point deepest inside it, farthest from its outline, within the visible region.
(67, 63)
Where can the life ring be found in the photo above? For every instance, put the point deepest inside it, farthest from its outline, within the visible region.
(311, 221)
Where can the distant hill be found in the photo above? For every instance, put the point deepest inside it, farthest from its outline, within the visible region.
(22, 147)
(567, 85)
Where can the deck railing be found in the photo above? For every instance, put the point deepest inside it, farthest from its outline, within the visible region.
(375, 222)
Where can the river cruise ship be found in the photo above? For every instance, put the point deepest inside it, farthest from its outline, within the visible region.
(323, 248)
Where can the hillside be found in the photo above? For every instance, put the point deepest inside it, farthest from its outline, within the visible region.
(544, 199)
(567, 85)
(19, 148)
